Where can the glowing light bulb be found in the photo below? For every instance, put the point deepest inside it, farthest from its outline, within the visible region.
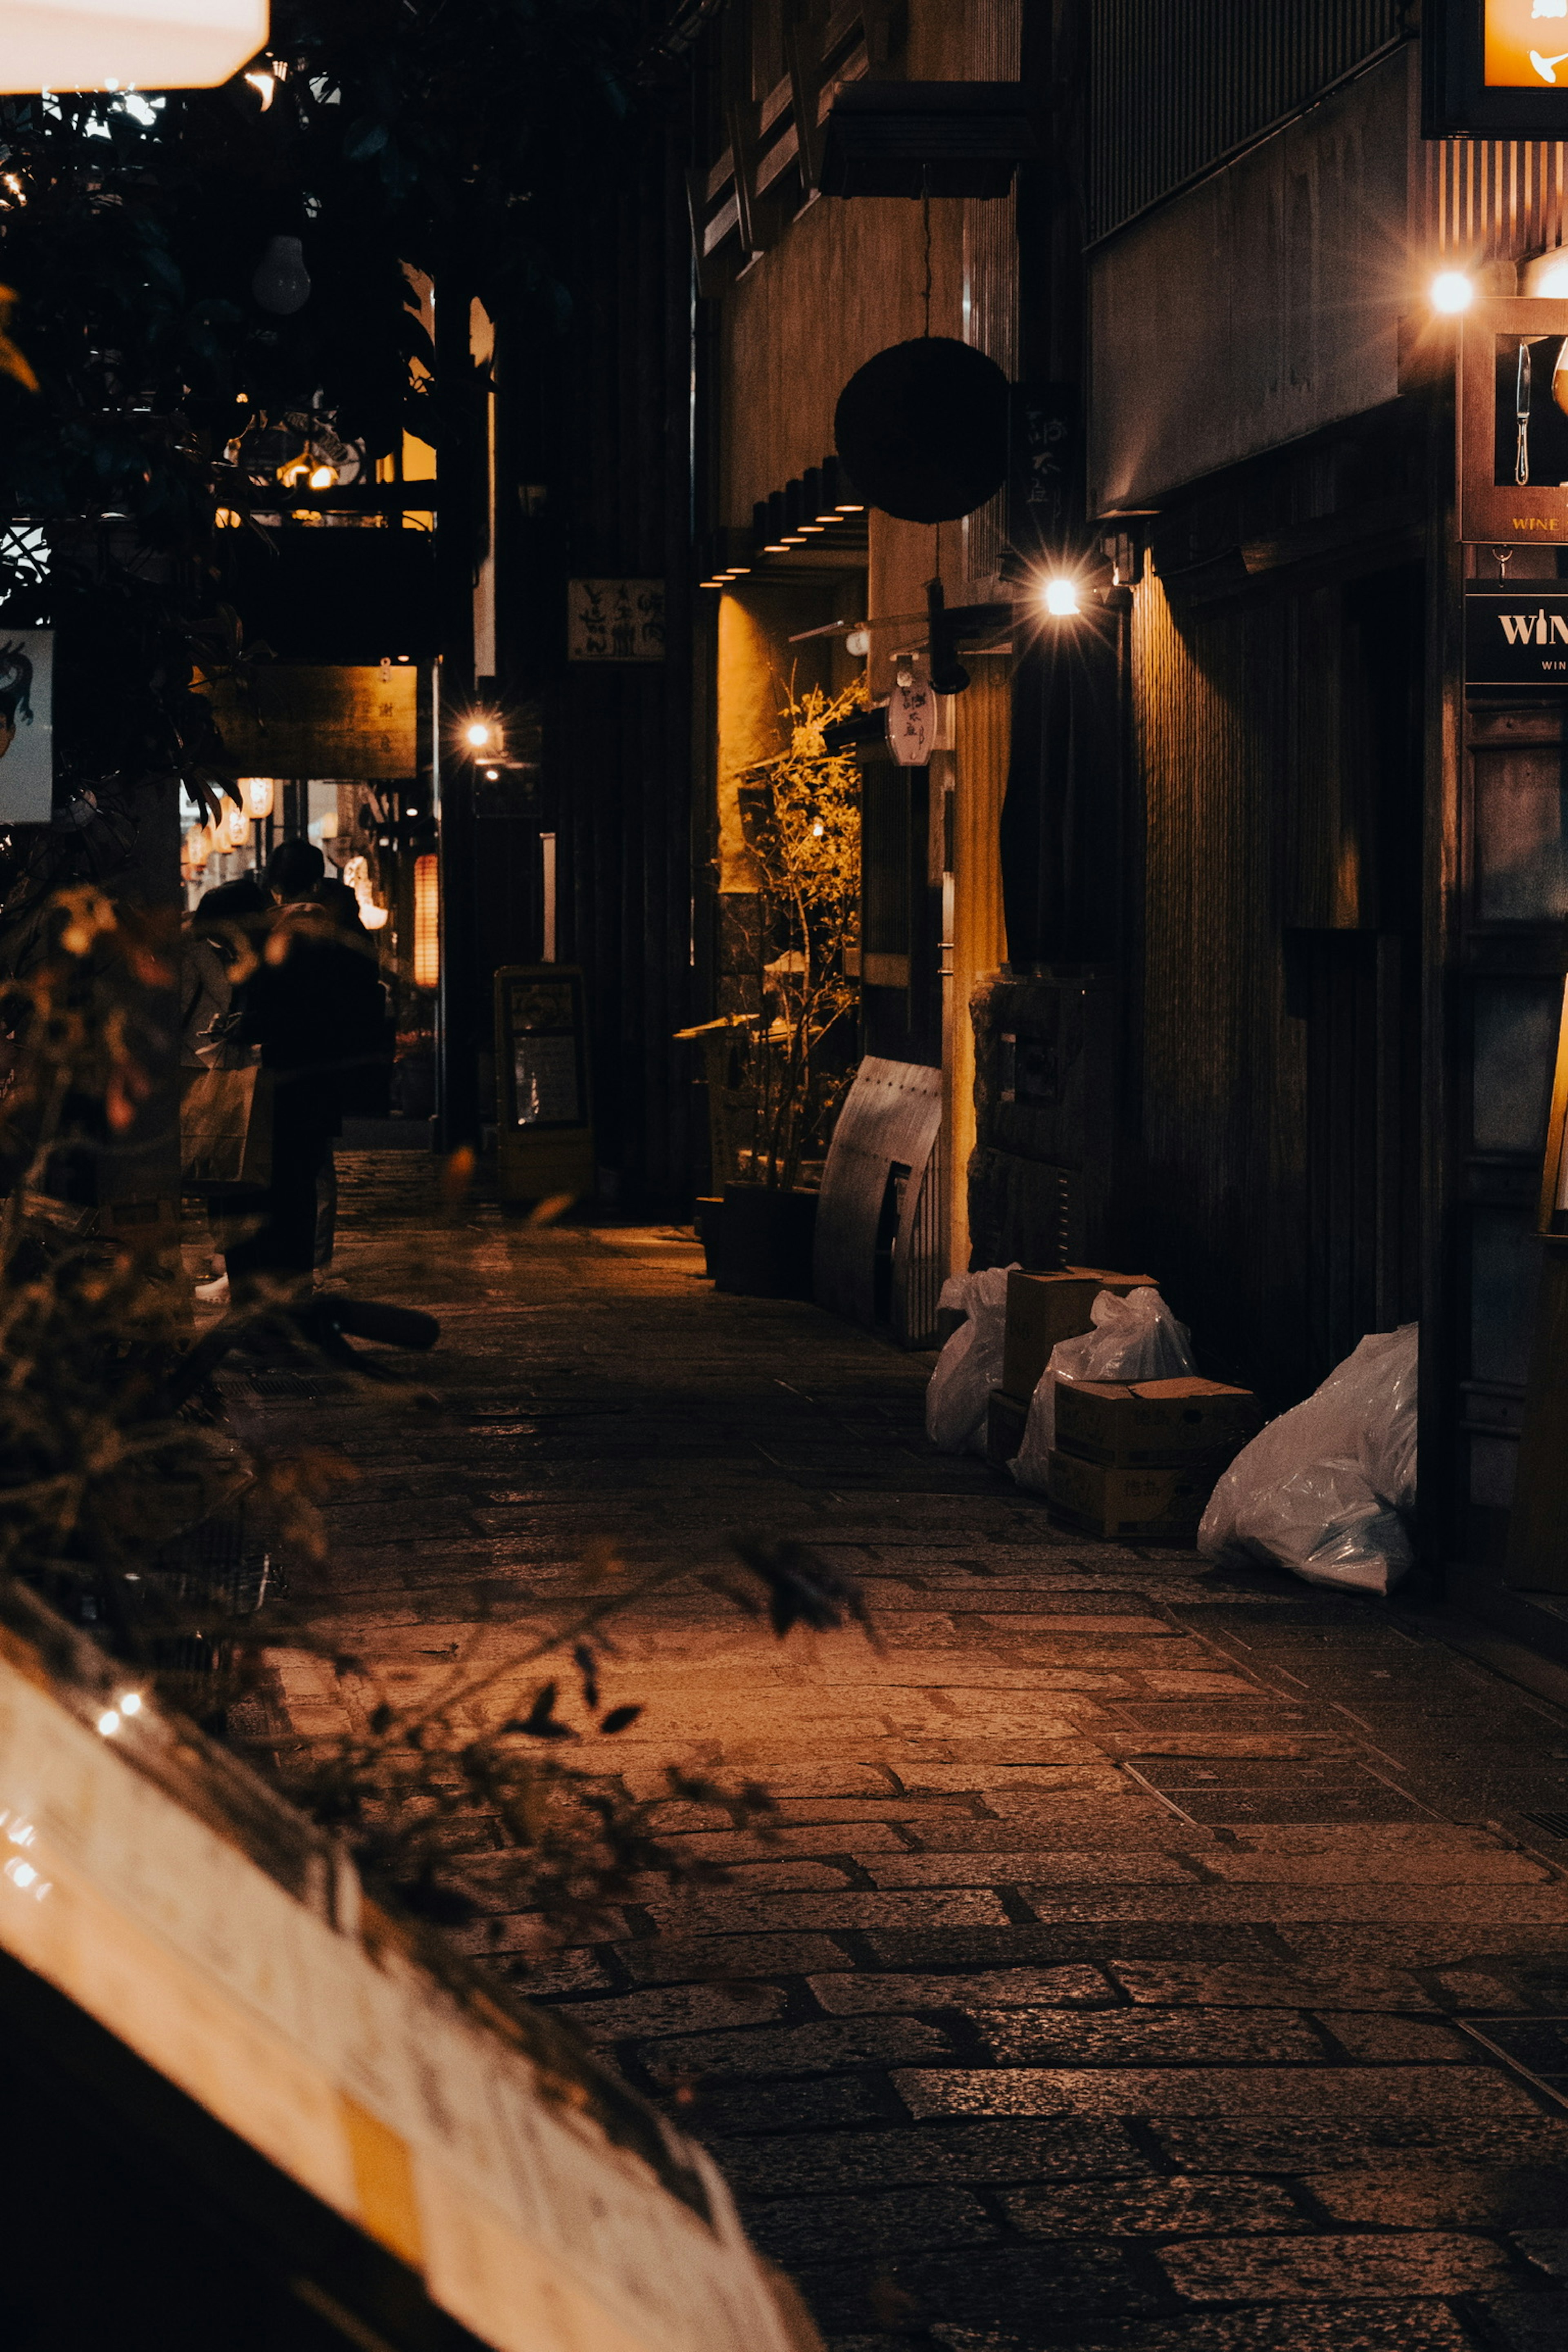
(324, 477)
(1061, 597)
(264, 88)
(282, 282)
(130, 1701)
(1451, 292)
(479, 732)
(109, 1722)
(818, 830)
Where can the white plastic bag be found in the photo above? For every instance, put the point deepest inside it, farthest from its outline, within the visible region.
(958, 1396)
(1132, 1339)
(1321, 1490)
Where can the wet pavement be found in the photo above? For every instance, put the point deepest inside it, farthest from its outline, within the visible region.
(1149, 1957)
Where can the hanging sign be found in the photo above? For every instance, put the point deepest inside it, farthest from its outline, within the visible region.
(911, 720)
(1494, 68)
(26, 726)
(614, 620)
(1513, 422)
(294, 718)
(1518, 635)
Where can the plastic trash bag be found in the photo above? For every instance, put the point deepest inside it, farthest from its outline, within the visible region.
(1132, 1339)
(1321, 1490)
(958, 1395)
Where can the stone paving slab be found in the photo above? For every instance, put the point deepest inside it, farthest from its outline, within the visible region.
(1105, 1981)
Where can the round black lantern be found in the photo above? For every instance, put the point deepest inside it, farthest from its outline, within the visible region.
(922, 429)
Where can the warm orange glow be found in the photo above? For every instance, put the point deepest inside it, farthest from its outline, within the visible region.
(1525, 48)
(235, 824)
(426, 922)
(258, 797)
(196, 847)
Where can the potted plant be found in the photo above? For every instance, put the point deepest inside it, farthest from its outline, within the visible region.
(777, 1074)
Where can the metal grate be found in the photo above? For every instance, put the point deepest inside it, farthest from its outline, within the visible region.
(1177, 86)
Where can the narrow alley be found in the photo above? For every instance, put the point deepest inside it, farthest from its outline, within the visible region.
(1148, 1956)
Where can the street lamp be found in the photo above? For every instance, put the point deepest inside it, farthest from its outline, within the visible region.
(157, 45)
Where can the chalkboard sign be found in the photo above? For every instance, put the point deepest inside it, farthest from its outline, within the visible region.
(545, 1135)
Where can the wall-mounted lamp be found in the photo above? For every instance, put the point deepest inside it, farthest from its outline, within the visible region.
(1450, 292)
(1060, 598)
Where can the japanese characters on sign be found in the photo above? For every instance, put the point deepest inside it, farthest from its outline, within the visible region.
(614, 620)
(287, 719)
(911, 720)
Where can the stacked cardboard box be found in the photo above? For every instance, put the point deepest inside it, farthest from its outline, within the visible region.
(1041, 1310)
(1140, 1458)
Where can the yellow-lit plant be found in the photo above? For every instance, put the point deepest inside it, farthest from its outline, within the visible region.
(801, 812)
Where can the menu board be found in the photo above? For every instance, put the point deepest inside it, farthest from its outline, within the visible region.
(504, 2184)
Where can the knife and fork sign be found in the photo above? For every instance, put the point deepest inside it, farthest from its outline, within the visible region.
(1523, 388)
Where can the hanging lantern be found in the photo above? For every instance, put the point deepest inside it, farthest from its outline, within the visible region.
(158, 45)
(235, 825)
(426, 922)
(196, 847)
(372, 916)
(258, 797)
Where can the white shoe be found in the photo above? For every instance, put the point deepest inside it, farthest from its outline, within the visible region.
(213, 1294)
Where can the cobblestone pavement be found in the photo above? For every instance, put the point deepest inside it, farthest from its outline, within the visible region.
(1152, 1958)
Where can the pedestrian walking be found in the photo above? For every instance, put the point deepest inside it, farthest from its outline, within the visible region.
(298, 1008)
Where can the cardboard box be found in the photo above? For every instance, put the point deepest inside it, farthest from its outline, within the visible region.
(1162, 1506)
(1044, 1307)
(1155, 1424)
(1004, 1422)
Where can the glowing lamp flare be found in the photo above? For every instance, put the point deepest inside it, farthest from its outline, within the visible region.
(1061, 598)
(110, 45)
(481, 735)
(1451, 292)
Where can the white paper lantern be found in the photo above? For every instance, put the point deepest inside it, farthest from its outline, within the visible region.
(65, 45)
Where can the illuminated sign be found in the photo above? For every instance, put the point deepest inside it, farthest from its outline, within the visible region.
(1518, 36)
(1512, 441)
(1495, 69)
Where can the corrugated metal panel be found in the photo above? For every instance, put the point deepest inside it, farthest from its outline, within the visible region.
(1175, 86)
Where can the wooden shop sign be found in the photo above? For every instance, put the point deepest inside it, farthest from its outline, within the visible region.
(1517, 636)
(289, 719)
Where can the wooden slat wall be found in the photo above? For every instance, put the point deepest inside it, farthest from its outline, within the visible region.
(1221, 1207)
